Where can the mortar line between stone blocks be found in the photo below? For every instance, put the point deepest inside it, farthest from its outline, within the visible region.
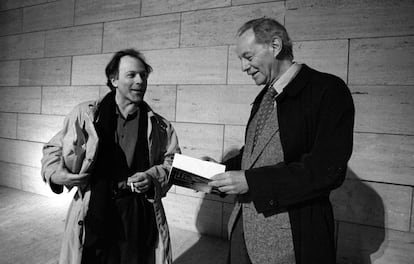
(228, 63)
(179, 30)
(73, 17)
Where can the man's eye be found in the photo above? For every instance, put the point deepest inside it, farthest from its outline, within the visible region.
(131, 75)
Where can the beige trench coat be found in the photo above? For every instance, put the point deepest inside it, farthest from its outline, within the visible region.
(76, 144)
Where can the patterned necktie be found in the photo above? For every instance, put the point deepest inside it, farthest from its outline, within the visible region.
(266, 108)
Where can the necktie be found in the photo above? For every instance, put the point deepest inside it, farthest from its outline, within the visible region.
(266, 108)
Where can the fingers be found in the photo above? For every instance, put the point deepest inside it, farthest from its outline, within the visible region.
(220, 176)
(231, 182)
(140, 181)
(139, 176)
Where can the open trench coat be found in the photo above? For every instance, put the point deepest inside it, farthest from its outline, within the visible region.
(76, 145)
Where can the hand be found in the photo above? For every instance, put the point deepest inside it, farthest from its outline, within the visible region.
(62, 176)
(140, 181)
(230, 182)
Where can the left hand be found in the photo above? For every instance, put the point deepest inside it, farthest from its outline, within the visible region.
(141, 182)
(230, 182)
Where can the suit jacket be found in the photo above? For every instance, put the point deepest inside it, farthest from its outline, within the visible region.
(316, 117)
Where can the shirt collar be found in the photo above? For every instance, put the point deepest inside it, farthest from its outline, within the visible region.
(287, 77)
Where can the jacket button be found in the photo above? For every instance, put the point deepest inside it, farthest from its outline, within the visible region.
(271, 202)
(80, 222)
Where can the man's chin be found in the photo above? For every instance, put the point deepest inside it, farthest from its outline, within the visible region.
(258, 81)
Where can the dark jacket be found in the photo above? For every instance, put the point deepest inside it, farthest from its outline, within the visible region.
(316, 120)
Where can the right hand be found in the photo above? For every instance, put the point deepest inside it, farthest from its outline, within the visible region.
(63, 177)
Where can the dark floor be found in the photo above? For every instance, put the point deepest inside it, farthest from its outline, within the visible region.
(31, 228)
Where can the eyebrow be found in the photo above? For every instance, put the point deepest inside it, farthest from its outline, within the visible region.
(246, 53)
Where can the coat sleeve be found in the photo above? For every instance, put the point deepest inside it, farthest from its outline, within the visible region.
(317, 172)
(53, 151)
(160, 172)
(52, 157)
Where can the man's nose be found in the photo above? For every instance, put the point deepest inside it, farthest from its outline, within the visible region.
(138, 79)
(244, 64)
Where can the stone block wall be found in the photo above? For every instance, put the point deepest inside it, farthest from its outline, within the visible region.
(53, 54)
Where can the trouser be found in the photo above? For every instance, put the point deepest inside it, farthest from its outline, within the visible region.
(136, 239)
(237, 249)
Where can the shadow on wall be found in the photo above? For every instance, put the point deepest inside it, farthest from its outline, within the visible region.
(359, 211)
(210, 249)
(207, 249)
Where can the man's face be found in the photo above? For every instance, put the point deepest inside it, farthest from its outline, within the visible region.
(257, 60)
(131, 83)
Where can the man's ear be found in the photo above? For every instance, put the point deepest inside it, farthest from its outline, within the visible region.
(114, 82)
(277, 46)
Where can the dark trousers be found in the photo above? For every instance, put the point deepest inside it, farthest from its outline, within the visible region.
(137, 236)
(237, 250)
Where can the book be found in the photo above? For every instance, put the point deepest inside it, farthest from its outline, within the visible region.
(194, 173)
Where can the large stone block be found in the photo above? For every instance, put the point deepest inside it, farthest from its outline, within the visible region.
(198, 140)
(188, 66)
(9, 73)
(364, 244)
(11, 22)
(162, 99)
(374, 204)
(74, 40)
(48, 16)
(22, 46)
(218, 104)
(329, 56)
(349, 19)
(32, 182)
(12, 4)
(381, 61)
(91, 11)
(233, 140)
(8, 125)
(51, 71)
(194, 214)
(20, 99)
(21, 152)
(219, 26)
(60, 100)
(90, 69)
(40, 128)
(384, 109)
(383, 158)
(10, 175)
(160, 32)
(153, 7)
